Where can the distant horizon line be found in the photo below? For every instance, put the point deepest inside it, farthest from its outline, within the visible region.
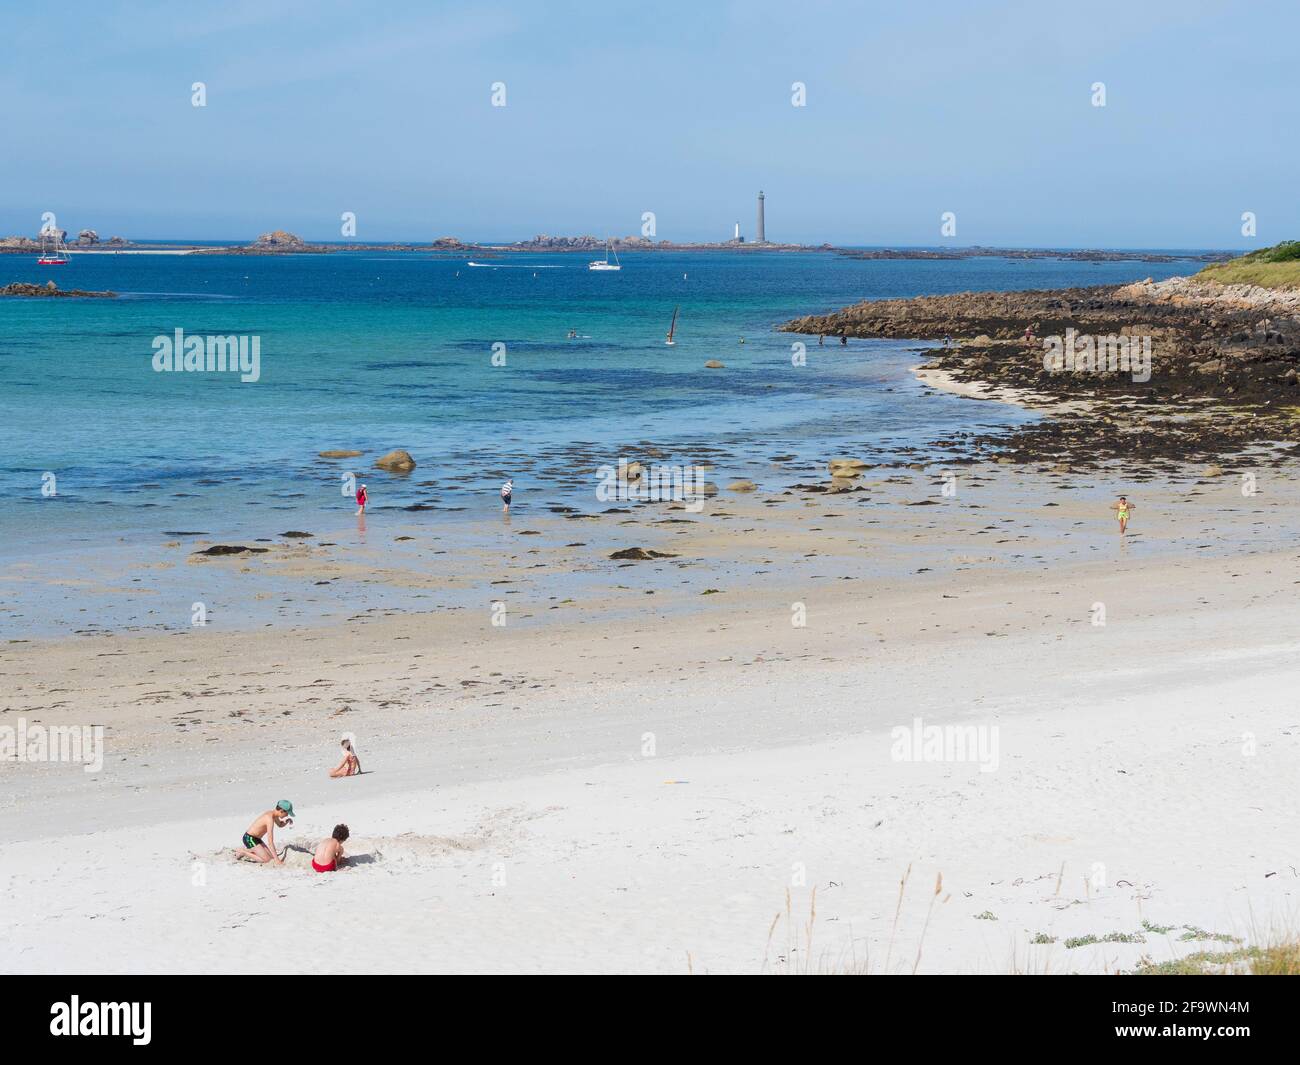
(502, 242)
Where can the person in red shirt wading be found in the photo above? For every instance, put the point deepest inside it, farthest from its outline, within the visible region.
(362, 499)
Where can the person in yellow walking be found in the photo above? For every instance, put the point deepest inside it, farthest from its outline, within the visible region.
(1121, 507)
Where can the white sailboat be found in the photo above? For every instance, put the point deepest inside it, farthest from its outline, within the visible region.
(605, 264)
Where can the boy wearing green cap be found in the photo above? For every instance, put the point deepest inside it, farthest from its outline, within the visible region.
(254, 849)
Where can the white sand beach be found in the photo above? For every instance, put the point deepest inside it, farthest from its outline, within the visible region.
(757, 489)
(662, 790)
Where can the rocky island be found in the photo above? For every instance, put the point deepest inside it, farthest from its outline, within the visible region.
(1088, 255)
(281, 242)
(24, 288)
(276, 242)
(87, 238)
(588, 243)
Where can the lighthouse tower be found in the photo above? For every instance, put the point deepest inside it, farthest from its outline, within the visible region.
(761, 235)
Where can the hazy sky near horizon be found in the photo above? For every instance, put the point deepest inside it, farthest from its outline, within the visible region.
(681, 108)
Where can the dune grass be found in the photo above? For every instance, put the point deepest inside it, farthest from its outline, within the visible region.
(1260, 951)
(1281, 959)
(1275, 267)
(1273, 954)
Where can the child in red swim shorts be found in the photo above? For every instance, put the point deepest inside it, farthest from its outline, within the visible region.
(330, 852)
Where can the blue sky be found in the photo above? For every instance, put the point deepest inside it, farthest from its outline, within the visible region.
(684, 109)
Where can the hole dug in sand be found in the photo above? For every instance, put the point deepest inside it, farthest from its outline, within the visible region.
(405, 853)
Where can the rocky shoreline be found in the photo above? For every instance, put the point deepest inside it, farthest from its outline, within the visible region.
(587, 244)
(87, 238)
(277, 242)
(1224, 369)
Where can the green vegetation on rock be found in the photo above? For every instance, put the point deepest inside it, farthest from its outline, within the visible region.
(1275, 267)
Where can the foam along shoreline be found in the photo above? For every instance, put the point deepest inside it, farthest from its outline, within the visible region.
(945, 380)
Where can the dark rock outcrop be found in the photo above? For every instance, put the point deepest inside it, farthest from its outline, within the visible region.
(397, 461)
(639, 554)
(25, 288)
(279, 240)
(1238, 345)
(1205, 339)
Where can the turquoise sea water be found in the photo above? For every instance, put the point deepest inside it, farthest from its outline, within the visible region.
(375, 351)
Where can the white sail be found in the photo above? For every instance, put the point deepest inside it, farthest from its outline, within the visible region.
(605, 264)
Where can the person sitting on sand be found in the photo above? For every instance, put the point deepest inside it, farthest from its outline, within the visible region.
(255, 850)
(351, 764)
(330, 851)
(1121, 509)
